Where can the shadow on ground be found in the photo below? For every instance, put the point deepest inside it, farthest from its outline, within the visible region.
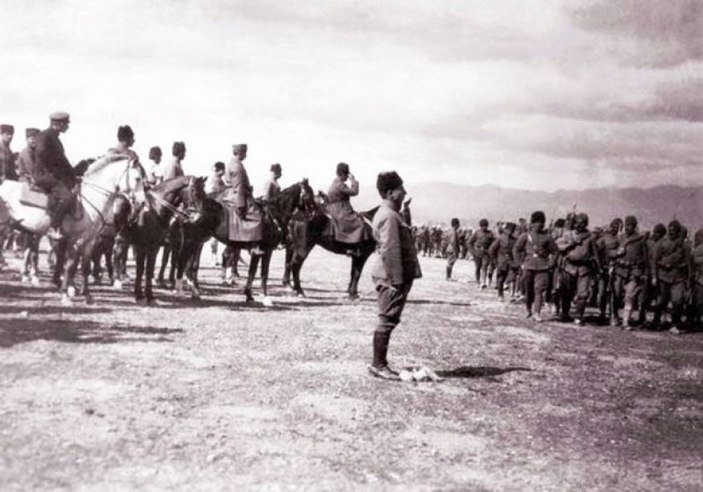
(478, 371)
(20, 330)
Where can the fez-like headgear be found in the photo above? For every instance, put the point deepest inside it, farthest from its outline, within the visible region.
(178, 148)
(581, 217)
(631, 220)
(510, 226)
(238, 148)
(387, 181)
(276, 168)
(675, 225)
(560, 222)
(154, 151)
(659, 229)
(455, 222)
(60, 116)
(30, 132)
(483, 223)
(343, 168)
(538, 216)
(219, 166)
(124, 132)
(7, 129)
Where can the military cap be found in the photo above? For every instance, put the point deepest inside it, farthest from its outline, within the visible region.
(388, 181)
(511, 226)
(581, 217)
(239, 147)
(698, 237)
(483, 223)
(455, 222)
(59, 116)
(30, 132)
(343, 168)
(276, 168)
(630, 220)
(659, 229)
(7, 129)
(675, 225)
(124, 132)
(616, 222)
(219, 166)
(538, 216)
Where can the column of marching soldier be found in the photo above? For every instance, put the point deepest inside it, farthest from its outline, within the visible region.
(630, 278)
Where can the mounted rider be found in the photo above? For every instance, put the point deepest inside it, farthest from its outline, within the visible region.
(52, 172)
(349, 225)
(25, 161)
(123, 150)
(245, 222)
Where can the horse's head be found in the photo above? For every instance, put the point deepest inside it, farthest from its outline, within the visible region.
(306, 199)
(194, 194)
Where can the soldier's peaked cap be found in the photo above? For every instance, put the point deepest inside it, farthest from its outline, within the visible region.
(275, 167)
(388, 181)
(538, 216)
(342, 167)
(59, 116)
(7, 129)
(30, 132)
(239, 147)
(631, 220)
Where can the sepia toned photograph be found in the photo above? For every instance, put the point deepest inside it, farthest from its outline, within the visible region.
(346, 245)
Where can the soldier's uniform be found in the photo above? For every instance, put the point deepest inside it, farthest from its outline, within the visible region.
(271, 187)
(578, 269)
(536, 247)
(672, 270)
(350, 227)
(696, 316)
(452, 247)
(393, 273)
(501, 252)
(53, 172)
(607, 247)
(8, 168)
(25, 161)
(479, 244)
(630, 271)
(173, 169)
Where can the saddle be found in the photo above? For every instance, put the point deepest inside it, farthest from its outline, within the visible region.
(33, 197)
(247, 229)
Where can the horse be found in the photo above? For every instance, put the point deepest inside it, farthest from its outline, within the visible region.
(145, 229)
(215, 222)
(307, 231)
(104, 180)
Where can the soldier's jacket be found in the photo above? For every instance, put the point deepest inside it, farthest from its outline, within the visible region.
(501, 251)
(172, 169)
(697, 264)
(631, 256)
(7, 164)
(452, 241)
(396, 263)
(607, 247)
(51, 165)
(671, 260)
(651, 249)
(480, 242)
(536, 249)
(25, 165)
(580, 252)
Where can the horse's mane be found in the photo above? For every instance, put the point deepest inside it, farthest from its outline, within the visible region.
(369, 214)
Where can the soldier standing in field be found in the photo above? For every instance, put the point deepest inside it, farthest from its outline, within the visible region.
(501, 253)
(395, 269)
(580, 266)
(671, 273)
(478, 245)
(629, 273)
(537, 248)
(452, 246)
(607, 247)
(696, 308)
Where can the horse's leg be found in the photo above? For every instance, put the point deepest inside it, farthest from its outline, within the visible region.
(26, 264)
(165, 253)
(118, 258)
(68, 286)
(60, 261)
(296, 265)
(140, 254)
(150, 264)
(192, 269)
(287, 266)
(265, 264)
(87, 256)
(107, 252)
(253, 266)
(95, 260)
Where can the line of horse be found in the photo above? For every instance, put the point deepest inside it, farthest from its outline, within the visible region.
(177, 213)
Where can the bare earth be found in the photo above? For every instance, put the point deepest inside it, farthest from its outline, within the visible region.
(218, 395)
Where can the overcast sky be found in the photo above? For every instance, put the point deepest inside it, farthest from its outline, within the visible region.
(542, 94)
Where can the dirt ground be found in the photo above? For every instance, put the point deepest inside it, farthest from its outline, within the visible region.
(218, 395)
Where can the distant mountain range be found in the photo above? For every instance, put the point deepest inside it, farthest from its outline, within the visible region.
(439, 202)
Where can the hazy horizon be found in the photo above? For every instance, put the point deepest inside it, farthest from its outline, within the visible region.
(527, 95)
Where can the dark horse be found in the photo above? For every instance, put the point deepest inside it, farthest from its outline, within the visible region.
(145, 230)
(307, 231)
(214, 221)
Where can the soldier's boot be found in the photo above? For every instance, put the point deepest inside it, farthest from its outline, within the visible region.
(379, 367)
(626, 318)
(449, 273)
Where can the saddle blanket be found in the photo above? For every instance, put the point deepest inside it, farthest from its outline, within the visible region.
(249, 229)
(33, 198)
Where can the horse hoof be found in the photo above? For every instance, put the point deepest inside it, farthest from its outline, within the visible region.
(66, 301)
(89, 299)
(179, 287)
(266, 301)
(25, 279)
(195, 295)
(117, 285)
(71, 291)
(151, 303)
(35, 281)
(300, 294)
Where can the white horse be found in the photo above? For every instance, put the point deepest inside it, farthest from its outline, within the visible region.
(103, 181)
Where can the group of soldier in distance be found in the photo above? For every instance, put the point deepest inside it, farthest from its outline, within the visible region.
(631, 278)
